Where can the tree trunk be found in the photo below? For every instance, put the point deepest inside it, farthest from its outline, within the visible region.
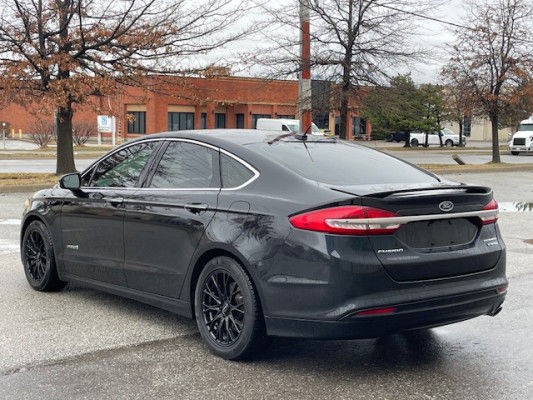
(495, 139)
(65, 153)
(426, 139)
(439, 132)
(407, 139)
(460, 133)
(343, 123)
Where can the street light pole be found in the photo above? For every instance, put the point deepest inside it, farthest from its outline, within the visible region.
(304, 86)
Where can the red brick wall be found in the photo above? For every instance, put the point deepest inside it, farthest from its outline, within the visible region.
(237, 95)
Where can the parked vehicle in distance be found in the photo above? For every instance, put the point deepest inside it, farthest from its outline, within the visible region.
(257, 234)
(522, 140)
(449, 138)
(282, 124)
(397, 137)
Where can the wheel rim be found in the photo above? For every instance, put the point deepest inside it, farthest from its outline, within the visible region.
(36, 255)
(449, 143)
(223, 307)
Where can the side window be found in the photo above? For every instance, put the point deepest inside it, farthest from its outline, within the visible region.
(123, 168)
(234, 174)
(187, 166)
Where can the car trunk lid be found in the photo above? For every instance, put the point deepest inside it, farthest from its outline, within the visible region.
(441, 234)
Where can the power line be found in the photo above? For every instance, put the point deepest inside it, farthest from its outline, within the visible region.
(441, 21)
(424, 16)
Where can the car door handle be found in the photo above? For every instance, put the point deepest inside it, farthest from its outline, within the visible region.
(114, 201)
(196, 208)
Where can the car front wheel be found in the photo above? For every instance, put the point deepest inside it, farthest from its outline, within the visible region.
(414, 143)
(227, 310)
(514, 153)
(448, 143)
(38, 258)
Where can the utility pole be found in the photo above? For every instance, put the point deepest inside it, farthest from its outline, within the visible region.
(304, 87)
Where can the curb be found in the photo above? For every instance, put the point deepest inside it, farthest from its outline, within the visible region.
(24, 188)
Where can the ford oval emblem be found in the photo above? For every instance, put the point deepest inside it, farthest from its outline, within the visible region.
(446, 206)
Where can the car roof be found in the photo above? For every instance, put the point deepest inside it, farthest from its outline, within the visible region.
(230, 139)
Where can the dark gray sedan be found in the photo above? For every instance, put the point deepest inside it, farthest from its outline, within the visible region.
(258, 235)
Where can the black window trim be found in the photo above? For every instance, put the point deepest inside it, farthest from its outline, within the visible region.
(156, 157)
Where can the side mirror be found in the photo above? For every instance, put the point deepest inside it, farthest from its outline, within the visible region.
(70, 181)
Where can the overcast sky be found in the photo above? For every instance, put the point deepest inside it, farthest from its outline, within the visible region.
(435, 37)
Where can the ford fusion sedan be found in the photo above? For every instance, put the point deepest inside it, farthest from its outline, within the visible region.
(257, 234)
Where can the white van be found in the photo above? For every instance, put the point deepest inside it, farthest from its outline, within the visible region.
(282, 124)
(522, 140)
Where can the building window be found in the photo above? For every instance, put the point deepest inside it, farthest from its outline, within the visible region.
(358, 126)
(179, 121)
(255, 117)
(285, 116)
(467, 125)
(220, 121)
(203, 120)
(239, 121)
(136, 121)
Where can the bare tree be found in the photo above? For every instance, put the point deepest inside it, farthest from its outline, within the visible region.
(82, 131)
(493, 57)
(42, 131)
(59, 53)
(354, 42)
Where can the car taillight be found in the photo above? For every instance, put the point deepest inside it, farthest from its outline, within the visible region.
(491, 217)
(347, 220)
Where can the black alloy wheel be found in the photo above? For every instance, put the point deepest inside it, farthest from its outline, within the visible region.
(38, 259)
(36, 255)
(227, 310)
(223, 307)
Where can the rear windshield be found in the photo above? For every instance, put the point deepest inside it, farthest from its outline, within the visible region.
(338, 163)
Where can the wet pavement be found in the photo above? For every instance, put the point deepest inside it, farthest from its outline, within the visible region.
(82, 344)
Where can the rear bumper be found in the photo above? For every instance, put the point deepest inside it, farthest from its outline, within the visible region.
(407, 316)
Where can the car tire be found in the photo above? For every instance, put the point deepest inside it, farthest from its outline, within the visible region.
(38, 258)
(515, 153)
(227, 310)
(448, 143)
(414, 143)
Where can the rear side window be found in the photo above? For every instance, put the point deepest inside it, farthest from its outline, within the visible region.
(339, 163)
(234, 174)
(123, 168)
(187, 166)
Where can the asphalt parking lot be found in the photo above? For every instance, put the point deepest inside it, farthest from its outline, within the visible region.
(83, 344)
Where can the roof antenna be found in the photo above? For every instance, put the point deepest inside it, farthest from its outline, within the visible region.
(303, 136)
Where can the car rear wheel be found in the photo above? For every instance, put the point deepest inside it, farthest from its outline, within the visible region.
(38, 258)
(448, 143)
(414, 143)
(227, 310)
(514, 153)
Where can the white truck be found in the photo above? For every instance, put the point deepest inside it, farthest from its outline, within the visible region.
(522, 141)
(282, 124)
(449, 138)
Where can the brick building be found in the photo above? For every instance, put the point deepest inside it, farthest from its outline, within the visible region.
(199, 103)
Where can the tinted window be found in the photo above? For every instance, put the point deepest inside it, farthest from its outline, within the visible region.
(234, 174)
(186, 166)
(341, 163)
(123, 168)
